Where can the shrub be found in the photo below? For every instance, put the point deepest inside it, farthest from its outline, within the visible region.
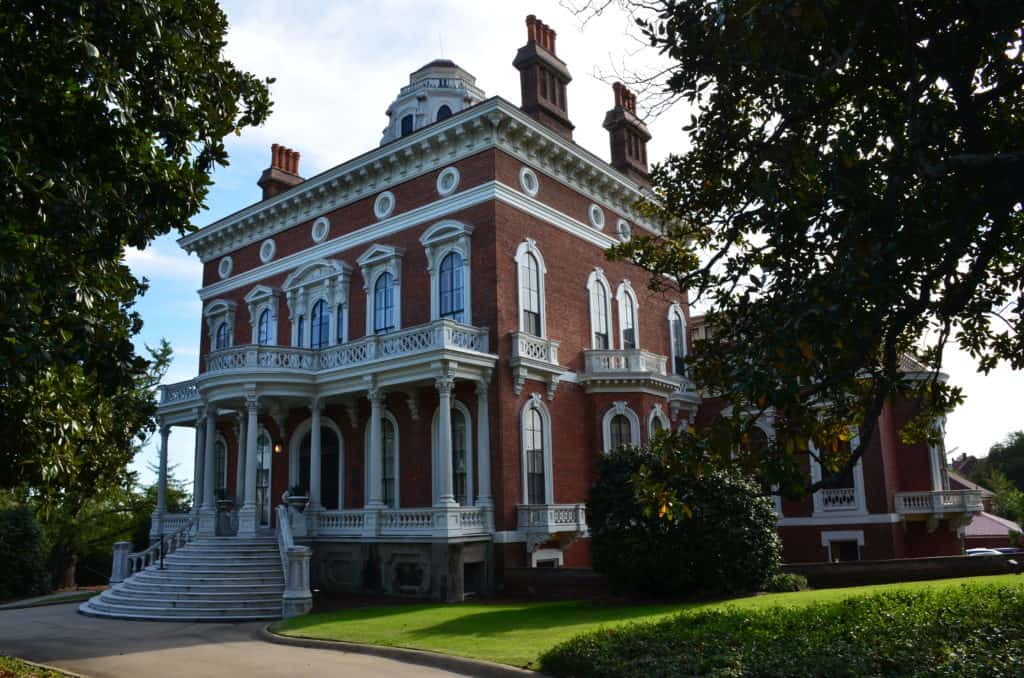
(785, 583)
(24, 567)
(970, 631)
(728, 544)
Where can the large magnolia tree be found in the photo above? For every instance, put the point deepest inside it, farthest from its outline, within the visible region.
(852, 195)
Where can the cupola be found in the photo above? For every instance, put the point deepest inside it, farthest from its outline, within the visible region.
(435, 91)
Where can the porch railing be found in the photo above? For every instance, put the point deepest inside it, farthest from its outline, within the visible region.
(404, 522)
(601, 361)
(940, 501)
(838, 499)
(551, 518)
(125, 564)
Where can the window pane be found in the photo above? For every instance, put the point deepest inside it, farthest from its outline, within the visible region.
(407, 125)
(388, 475)
(444, 112)
(628, 323)
(220, 463)
(530, 294)
(451, 288)
(319, 326)
(533, 445)
(221, 340)
(459, 461)
(678, 344)
(599, 309)
(621, 431)
(384, 304)
(263, 333)
(341, 327)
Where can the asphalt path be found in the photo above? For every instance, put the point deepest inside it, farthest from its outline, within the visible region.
(57, 635)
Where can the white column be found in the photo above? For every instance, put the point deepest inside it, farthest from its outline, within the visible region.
(444, 385)
(247, 514)
(197, 466)
(373, 495)
(483, 446)
(314, 454)
(240, 460)
(208, 510)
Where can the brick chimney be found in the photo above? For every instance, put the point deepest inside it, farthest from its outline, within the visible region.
(628, 135)
(283, 172)
(543, 77)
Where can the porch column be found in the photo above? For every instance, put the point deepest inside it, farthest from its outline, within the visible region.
(247, 514)
(197, 466)
(444, 385)
(157, 521)
(483, 446)
(376, 466)
(314, 454)
(240, 460)
(208, 511)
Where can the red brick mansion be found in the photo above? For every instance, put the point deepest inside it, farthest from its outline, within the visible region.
(429, 339)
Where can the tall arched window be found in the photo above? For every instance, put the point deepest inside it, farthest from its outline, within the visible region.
(220, 467)
(628, 333)
(384, 304)
(444, 112)
(407, 123)
(622, 433)
(451, 288)
(389, 467)
(533, 444)
(222, 339)
(600, 311)
(263, 328)
(678, 331)
(460, 463)
(530, 293)
(319, 325)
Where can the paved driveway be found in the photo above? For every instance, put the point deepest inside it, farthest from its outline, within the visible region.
(58, 635)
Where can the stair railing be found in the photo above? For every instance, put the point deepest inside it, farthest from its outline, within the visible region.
(126, 564)
(297, 598)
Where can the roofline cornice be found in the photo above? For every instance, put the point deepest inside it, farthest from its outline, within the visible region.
(494, 123)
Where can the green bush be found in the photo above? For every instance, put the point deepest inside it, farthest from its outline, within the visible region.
(24, 567)
(970, 631)
(729, 543)
(785, 583)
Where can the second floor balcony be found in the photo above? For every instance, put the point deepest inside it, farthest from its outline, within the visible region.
(613, 370)
(955, 506)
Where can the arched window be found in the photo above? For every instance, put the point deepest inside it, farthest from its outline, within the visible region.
(389, 467)
(384, 304)
(263, 328)
(600, 311)
(407, 122)
(220, 467)
(533, 444)
(223, 339)
(451, 288)
(627, 317)
(622, 433)
(530, 291)
(319, 325)
(460, 463)
(444, 112)
(677, 328)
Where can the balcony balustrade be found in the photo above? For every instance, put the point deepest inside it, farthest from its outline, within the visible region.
(459, 521)
(535, 357)
(839, 499)
(939, 502)
(550, 519)
(598, 362)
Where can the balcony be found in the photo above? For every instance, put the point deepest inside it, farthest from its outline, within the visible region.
(956, 506)
(536, 358)
(543, 522)
(839, 499)
(454, 522)
(633, 369)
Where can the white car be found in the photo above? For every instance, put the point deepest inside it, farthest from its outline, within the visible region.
(982, 552)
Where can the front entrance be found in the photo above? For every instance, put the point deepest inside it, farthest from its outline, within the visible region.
(330, 468)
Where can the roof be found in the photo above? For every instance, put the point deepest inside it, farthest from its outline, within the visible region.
(438, 63)
(964, 483)
(988, 525)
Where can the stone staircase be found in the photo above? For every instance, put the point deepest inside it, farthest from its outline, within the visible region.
(208, 579)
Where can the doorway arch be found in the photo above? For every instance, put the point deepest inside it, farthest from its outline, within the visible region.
(332, 461)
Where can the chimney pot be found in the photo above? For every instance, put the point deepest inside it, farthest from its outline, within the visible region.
(283, 172)
(543, 78)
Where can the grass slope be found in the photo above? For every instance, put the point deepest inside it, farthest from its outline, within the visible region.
(517, 633)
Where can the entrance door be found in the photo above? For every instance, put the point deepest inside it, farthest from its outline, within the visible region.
(263, 464)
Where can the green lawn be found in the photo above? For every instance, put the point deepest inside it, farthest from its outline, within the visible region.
(517, 633)
(15, 668)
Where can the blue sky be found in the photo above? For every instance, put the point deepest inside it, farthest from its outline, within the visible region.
(340, 64)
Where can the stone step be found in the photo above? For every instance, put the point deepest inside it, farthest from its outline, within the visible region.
(189, 579)
(198, 602)
(191, 560)
(180, 613)
(217, 570)
(171, 586)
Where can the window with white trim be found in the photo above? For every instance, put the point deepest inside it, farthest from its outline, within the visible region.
(223, 339)
(220, 467)
(220, 322)
(451, 290)
(382, 280)
(312, 291)
(319, 325)
(677, 337)
(390, 490)
(621, 426)
(263, 304)
(600, 310)
(384, 304)
(535, 435)
(263, 330)
(629, 335)
(447, 245)
(531, 270)
(847, 493)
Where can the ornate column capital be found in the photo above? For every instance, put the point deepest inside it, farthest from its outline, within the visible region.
(252, 402)
(444, 384)
(484, 384)
(374, 393)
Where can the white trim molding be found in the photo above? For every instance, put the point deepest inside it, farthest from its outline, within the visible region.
(323, 279)
(657, 414)
(385, 414)
(259, 299)
(547, 555)
(847, 501)
(619, 407)
(529, 247)
(216, 313)
(384, 205)
(448, 181)
(373, 262)
(320, 230)
(595, 281)
(439, 241)
(676, 311)
(529, 182)
(536, 402)
(625, 295)
(435, 462)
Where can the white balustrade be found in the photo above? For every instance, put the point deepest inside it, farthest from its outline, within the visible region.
(551, 518)
(437, 335)
(534, 348)
(409, 522)
(183, 391)
(941, 501)
(838, 499)
(600, 361)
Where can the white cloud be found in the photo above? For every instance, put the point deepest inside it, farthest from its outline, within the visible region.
(156, 262)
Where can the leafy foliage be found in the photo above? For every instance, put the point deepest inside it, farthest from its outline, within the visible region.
(719, 537)
(113, 119)
(852, 195)
(1006, 457)
(1009, 501)
(785, 583)
(23, 570)
(895, 634)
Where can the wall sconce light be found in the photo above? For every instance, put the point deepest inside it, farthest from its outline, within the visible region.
(278, 448)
